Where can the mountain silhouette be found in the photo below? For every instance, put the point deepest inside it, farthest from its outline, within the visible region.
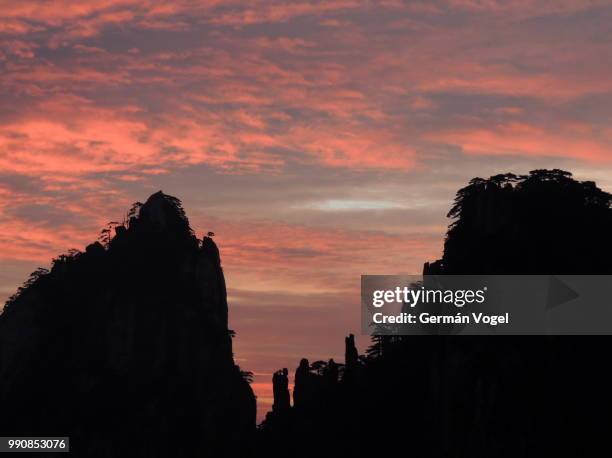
(473, 396)
(125, 347)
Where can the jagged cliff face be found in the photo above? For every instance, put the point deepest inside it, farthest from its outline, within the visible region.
(128, 340)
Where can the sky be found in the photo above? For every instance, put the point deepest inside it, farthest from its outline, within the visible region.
(319, 140)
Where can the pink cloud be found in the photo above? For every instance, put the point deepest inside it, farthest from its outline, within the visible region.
(567, 140)
(352, 100)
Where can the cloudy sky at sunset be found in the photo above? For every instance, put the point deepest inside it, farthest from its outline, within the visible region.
(319, 140)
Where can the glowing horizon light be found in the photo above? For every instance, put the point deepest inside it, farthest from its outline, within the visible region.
(341, 204)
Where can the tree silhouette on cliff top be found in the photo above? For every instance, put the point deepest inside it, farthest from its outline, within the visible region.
(545, 222)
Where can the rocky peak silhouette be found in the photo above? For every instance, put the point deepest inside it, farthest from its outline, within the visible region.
(128, 342)
(163, 212)
(280, 386)
(350, 353)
